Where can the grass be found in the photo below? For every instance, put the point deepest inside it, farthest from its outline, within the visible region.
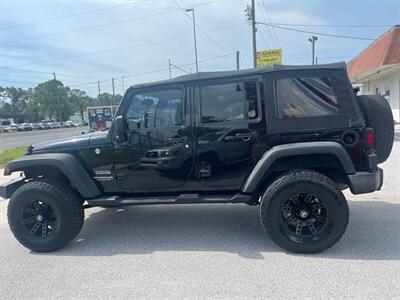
(8, 155)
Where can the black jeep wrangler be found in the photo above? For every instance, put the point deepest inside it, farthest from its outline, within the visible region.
(287, 138)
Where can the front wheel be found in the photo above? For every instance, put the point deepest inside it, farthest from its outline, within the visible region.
(44, 216)
(304, 212)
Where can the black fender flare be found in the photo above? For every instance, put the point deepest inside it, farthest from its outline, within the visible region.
(66, 163)
(296, 149)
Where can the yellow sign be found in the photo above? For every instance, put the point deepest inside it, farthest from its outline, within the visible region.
(269, 57)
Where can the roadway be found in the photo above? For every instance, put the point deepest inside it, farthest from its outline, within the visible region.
(16, 139)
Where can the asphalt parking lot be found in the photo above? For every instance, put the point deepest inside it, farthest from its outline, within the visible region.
(210, 251)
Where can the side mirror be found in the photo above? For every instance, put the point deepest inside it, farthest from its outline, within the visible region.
(133, 125)
(119, 129)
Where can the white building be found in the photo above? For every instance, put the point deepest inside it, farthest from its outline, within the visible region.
(376, 70)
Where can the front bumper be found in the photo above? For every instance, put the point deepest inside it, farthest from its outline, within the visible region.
(366, 182)
(7, 189)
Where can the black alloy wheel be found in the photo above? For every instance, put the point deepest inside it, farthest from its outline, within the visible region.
(304, 215)
(39, 219)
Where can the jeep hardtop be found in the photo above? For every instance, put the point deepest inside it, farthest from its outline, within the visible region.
(286, 138)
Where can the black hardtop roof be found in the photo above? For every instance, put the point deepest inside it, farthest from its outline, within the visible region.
(222, 74)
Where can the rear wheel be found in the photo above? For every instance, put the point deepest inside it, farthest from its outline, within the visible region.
(304, 212)
(45, 216)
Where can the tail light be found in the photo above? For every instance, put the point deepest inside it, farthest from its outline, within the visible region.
(370, 138)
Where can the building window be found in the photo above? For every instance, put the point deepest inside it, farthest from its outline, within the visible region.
(305, 97)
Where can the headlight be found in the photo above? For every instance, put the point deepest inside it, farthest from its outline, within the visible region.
(168, 153)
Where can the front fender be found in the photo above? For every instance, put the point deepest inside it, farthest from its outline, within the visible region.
(296, 149)
(67, 164)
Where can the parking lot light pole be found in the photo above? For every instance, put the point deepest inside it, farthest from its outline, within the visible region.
(194, 34)
(312, 40)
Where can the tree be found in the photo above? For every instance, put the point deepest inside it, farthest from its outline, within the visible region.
(6, 109)
(52, 98)
(79, 101)
(107, 99)
(16, 97)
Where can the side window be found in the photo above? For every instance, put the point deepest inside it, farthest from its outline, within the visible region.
(305, 97)
(156, 109)
(228, 102)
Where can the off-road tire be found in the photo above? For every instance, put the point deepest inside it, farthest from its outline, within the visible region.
(65, 204)
(378, 115)
(295, 183)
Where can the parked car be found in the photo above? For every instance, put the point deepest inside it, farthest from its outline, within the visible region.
(287, 139)
(24, 127)
(7, 128)
(43, 126)
(68, 124)
(50, 123)
(15, 127)
(35, 126)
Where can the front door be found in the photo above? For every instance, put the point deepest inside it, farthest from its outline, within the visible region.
(159, 141)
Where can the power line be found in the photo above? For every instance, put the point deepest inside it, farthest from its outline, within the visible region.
(333, 25)
(110, 50)
(201, 29)
(129, 75)
(264, 38)
(273, 29)
(152, 71)
(17, 81)
(318, 33)
(12, 69)
(267, 19)
(95, 26)
(70, 15)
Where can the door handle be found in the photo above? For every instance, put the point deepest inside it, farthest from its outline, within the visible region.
(245, 137)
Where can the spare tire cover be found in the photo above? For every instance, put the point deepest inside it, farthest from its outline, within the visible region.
(378, 115)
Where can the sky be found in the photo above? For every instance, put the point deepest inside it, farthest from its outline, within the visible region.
(88, 41)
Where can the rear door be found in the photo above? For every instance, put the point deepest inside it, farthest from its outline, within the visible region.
(229, 122)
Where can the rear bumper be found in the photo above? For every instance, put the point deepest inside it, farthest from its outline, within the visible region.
(7, 189)
(366, 182)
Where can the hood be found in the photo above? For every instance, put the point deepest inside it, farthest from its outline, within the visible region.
(77, 141)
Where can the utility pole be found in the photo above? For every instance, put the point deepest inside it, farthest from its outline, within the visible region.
(123, 85)
(169, 68)
(251, 17)
(195, 40)
(57, 98)
(237, 61)
(113, 97)
(312, 40)
(98, 86)
(171, 65)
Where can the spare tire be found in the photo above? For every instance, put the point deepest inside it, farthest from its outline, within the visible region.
(378, 115)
